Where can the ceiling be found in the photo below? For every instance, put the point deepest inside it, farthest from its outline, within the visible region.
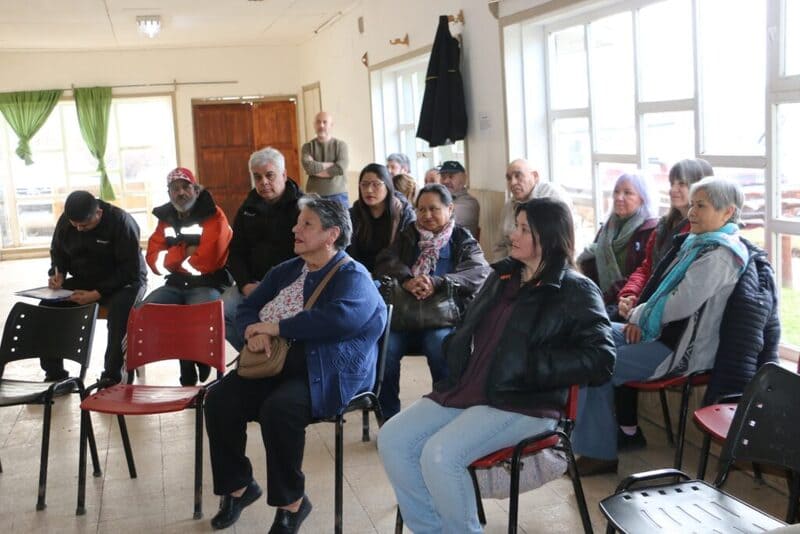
(111, 24)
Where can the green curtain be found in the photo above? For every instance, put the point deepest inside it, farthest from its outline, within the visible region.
(94, 105)
(26, 112)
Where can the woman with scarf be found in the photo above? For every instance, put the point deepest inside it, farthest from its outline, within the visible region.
(682, 175)
(620, 244)
(674, 329)
(377, 216)
(423, 259)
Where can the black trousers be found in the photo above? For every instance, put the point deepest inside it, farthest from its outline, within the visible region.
(626, 400)
(119, 306)
(282, 406)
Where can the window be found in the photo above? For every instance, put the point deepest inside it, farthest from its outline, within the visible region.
(139, 153)
(397, 92)
(641, 84)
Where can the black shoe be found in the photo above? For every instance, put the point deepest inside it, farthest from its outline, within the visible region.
(630, 443)
(287, 522)
(106, 381)
(56, 376)
(203, 372)
(230, 508)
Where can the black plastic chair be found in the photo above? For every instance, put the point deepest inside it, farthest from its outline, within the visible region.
(366, 402)
(764, 431)
(33, 332)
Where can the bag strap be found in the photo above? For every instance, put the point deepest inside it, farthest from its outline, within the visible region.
(324, 282)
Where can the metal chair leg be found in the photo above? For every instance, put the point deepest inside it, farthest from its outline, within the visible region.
(684, 415)
(662, 393)
(80, 508)
(338, 475)
(577, 487)
(478, 499)
(398, 522)
(126, 444)
(198, 459)
(48, 410)
(704, 452)
(365, 425)
(513, 493)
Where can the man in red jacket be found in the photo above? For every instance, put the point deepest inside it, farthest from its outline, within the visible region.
(193, 234)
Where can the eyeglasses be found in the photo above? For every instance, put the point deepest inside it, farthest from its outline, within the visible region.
(366, 185)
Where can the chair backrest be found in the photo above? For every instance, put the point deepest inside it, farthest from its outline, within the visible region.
(48, 332)
(383, 348)
(177, 331)
(764, 429)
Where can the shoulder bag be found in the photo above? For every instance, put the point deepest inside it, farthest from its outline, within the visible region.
(440, 310)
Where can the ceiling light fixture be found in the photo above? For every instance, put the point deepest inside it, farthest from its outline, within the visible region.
(150, 25)
(328, 22)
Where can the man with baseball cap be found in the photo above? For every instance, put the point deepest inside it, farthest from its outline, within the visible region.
(468, 211)
(194, 234)
(97, 245)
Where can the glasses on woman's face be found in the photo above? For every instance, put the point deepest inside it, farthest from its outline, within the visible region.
(368, 185)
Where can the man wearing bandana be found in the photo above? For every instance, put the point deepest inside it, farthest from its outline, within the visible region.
(193, 233)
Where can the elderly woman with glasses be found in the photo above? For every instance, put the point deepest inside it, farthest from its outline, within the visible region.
(378, 215)
(425, 258)
(332, 357)
(674, 328)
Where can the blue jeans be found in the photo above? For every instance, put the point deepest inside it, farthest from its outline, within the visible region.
(341, 197)
(426, 450)
(185, 295)
(429, 343)
(231, 299)
(595, 433)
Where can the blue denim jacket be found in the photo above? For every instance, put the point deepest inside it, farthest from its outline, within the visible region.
(340, 332)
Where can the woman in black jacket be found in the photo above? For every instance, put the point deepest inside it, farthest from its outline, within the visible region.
(535, 328)
(378, 215)
(429, 260)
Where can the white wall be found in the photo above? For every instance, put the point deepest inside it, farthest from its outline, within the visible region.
(245, 65)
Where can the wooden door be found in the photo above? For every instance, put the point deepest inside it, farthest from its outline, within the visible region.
(223, 139)
(226, 134)
(275, 125)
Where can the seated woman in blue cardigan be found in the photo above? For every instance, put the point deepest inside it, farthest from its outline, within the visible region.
(332, 358)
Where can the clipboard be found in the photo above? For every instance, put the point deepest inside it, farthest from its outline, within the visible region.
(45, 293)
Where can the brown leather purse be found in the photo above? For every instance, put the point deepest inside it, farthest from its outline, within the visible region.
(260, 364)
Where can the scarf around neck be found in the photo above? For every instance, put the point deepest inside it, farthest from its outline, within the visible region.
(727, 236)
(612, 242)
(429, 246)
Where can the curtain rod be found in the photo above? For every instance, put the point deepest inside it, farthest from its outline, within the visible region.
(173, 83)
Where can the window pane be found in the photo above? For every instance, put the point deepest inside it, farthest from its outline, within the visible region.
(572, 169)
(792, 38)
(36, 223)
(609, 172)
(732, 36)
(787, 163)
(787, 271)
(753, 211)
(666, 68)
(613, 107)
(568, 87)
(667, 139)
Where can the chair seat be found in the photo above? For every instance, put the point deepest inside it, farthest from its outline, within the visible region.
(13, 392)
(661, 383)
(492, 459)
(123, 399)
(716, 419)
(691, 506)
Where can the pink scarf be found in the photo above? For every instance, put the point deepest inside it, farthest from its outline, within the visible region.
(429, 246)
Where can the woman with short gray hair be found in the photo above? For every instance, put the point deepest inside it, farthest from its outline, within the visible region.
(331, 215)
(674, 328)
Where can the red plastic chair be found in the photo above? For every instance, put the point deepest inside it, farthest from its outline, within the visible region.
(160, 332)
(714, 421)
(512, 457)
(685, 383)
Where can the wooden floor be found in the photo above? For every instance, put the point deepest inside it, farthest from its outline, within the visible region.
(160, 499)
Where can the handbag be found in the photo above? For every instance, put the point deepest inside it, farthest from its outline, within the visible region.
(536, 470)
(260, 365)
(440, 310)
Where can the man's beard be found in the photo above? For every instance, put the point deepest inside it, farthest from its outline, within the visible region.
(185, 208)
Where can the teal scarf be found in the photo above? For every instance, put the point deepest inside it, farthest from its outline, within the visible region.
(727, 236)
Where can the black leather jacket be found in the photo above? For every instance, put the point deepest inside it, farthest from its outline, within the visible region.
(559, 335)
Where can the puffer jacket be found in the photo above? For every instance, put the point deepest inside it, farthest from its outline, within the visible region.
(470, 268)
(750, 330)
(262, 234)
(559, 335)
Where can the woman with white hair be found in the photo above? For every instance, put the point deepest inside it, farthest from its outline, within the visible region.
(674, 329)
(620, 244)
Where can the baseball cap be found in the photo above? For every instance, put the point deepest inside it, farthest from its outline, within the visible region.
(181, 173)
(451, 166)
